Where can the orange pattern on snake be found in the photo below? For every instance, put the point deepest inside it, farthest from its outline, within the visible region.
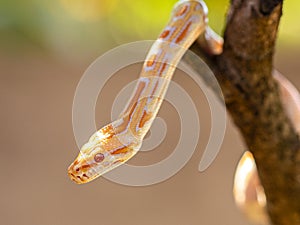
(120, 140)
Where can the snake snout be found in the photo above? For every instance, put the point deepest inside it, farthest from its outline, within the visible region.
(77, 171)
(79, 179)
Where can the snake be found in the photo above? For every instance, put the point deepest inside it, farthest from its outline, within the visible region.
(119, 141)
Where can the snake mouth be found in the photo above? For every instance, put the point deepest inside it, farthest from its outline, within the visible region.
(77, 170)
(78, 179)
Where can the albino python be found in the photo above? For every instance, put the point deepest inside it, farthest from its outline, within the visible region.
(120, 140)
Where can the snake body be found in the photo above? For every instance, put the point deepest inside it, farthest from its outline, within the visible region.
(120, 140)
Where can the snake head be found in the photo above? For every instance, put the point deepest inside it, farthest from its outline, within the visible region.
(90, 163)
(103, 152)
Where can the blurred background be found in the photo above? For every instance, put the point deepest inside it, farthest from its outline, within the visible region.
(45, 48)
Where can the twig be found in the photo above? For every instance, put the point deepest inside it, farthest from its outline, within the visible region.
(244, 71)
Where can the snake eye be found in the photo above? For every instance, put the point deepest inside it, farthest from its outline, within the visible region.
(99, 157)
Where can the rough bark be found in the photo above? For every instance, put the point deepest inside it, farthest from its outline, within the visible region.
(244, 72)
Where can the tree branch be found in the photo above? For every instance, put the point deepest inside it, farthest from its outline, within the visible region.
(244, 71)
(267, 6)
